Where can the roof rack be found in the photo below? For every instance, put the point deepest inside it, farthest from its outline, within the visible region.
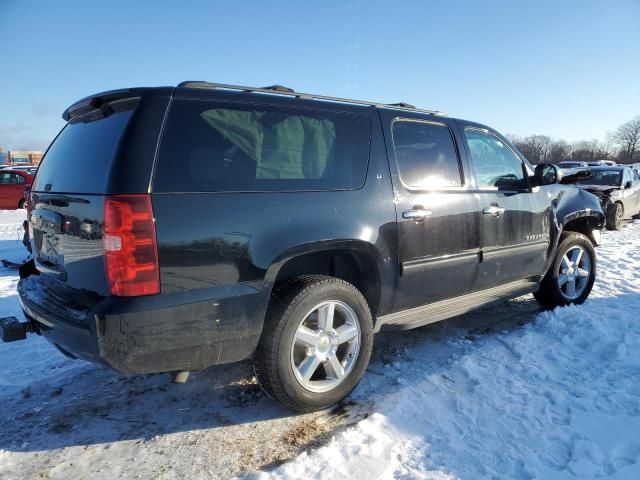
(281, 90)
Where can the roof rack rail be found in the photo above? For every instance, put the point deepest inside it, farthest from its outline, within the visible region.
(281, 90)
(403, 105)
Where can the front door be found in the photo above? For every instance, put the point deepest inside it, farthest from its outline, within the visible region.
(516, 219)
(630, 192)
(438, 217)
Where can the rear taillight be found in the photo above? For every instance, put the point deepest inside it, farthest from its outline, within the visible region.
(129, 239)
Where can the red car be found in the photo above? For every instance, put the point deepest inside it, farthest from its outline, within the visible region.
(12, 188)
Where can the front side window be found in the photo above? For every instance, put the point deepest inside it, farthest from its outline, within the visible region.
(228, 148)
(426, 155)
(495, 164)
(11, 178)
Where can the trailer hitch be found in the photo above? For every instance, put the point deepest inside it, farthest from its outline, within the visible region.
(12, 330)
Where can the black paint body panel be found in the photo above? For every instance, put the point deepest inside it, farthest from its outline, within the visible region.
(220, 254)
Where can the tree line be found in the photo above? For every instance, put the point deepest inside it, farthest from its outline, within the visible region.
(621, 145)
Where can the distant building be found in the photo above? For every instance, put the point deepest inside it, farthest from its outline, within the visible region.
(23, 157)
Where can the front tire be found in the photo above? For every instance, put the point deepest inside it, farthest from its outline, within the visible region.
(570, 279)
(316, 342)
(615, 212)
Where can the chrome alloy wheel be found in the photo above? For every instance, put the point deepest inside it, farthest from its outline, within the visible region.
(575, 270)
(325, 346)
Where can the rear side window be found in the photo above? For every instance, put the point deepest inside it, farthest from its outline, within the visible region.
(79, 159)
(426, 155)
(217, 147)
(11, 178)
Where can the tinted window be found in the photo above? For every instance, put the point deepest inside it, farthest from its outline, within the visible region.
(611, 178)
(10, 178)
(79, 159)
(209, 147)
(426, 155)
(495, 164)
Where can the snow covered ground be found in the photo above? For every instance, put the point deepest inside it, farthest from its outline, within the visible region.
(503, 392)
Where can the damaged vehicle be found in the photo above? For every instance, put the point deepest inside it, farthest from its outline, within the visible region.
(618, 189)
(175, 228)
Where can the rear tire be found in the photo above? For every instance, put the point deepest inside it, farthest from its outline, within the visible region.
(294, 333)
(570, 279)
(22, 203)
(615, 212)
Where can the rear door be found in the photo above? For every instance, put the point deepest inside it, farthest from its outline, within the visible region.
(438, 216)
(67, 198)
(515, 225)
(15, 189)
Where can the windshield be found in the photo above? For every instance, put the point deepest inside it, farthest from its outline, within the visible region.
(603, 177)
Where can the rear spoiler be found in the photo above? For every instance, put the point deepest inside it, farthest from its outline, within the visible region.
(98, 101)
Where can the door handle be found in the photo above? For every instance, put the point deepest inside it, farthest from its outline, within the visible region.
(493, 210)
(418, 214)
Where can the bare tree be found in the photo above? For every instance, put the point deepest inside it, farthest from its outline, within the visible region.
(535, 147)
(627, 137)
(588, 150)
(559, 151)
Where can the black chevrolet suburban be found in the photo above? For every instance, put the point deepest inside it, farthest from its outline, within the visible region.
(175, 228)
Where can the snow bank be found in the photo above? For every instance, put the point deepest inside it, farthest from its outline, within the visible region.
(504, 392)
(557, 398)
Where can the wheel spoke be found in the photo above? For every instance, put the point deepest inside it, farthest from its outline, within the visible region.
(571, 288)
(583, 273)
(346, 333)
(306, 336)
(325, 316)
(308, 367)
(565, 262)
(334, 367)
(577, 256)
(563, 278)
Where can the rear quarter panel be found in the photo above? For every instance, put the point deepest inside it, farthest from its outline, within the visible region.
(213, 241)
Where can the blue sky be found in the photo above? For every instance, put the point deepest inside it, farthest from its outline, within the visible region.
(569, 69)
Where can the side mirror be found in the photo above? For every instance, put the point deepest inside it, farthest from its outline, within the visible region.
(546, 174)
(628, 184)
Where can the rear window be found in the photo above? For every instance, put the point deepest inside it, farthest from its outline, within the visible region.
(79, 159)
(217, 147)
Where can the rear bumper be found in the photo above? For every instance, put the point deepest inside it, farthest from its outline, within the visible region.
(159, 333)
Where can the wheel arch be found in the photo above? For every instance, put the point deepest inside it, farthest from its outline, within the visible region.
(354, 261)
(583, 222)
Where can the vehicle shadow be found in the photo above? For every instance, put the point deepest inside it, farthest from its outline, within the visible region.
(94, 405)
(13, 251)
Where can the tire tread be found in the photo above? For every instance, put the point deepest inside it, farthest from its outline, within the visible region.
(283, 300)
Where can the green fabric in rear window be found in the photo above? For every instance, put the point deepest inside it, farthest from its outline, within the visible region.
(218, 147)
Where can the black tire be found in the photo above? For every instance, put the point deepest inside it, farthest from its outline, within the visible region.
(550, 294)
(22, 203)
(615, 213)
(288, 307)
